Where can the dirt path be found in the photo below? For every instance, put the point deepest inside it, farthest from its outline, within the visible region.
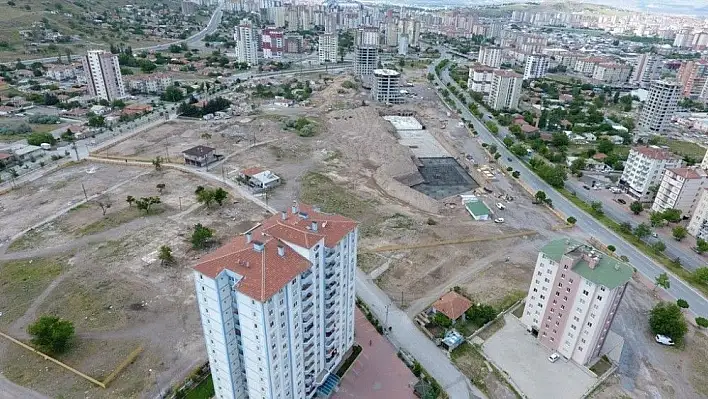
(17, 328)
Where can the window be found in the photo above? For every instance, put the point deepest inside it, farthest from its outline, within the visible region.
(563, 275)
(560, 284)
(565, 267)
(539, 273)
(571, 280)
(580, 348)
(562, 307)
(586, 292)
(582, 340)
(572, 326)
(546, 280)
(565, 298)
(535, 290)
(579, 309)
(599, 297)
(589, 324)
(602, 289)
(567, 290)
(558, 293)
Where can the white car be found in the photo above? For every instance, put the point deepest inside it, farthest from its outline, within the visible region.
(499, 220)
(500, 205)
(664, 340)
(555, 356)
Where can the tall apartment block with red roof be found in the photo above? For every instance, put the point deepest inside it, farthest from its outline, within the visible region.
(277, 305)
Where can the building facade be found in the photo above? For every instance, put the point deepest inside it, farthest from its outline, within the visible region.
(573, 298)
(698, 225)
(646, 69)
(366, 53)
(644, 168)
(480, 79)
(103, 76)
(490, 56)
(272, 42)
(277, 305)
(387, 86)
(660, 106)
(246, 43)
(611, 72)
(680, 189)
(693, 75)
(505, 90)
(536, 66)
(327, 50)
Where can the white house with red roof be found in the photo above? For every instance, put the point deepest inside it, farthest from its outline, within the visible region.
(277, 305)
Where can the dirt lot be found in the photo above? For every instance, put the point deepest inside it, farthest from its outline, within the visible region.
(102, 273)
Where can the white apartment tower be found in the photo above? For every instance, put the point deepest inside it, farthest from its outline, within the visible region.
(680, 189)
(277, 305)
(698, 225)
(103, 76)
(505, 90)
(246, 43)
(327, 50)
(480, 79)
(646, 69)
(386, 86)
(403, 44)
(574, 295)
(490, 56)
(536, 66)
(659, 106)
(644, 168)
(366, 53)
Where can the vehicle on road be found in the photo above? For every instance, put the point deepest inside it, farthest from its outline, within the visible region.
(586, 187)
(621, 201)
(509, 159)
(653, 234)
(500, 206)
(554, 356)
(499, 220)
(664, 340)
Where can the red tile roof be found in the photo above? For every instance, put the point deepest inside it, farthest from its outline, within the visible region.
(251, 171)
(653, 152)
(4, 156)
(452, 305)
(264, 271)
(687, 173)
(599, 156)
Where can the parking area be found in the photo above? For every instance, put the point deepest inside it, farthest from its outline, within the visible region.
(526, 362)
(377, 373)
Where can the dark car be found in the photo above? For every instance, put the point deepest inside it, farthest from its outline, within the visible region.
(586, 187)
(621, 201)
(509, 159)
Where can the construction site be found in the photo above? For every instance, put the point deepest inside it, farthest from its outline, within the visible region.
(87, 254)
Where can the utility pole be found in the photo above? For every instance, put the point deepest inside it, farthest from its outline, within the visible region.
(76, 151)
(84, 189)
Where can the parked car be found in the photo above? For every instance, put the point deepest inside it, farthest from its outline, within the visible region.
(554, 356)
(500, 205)
(499, 220)
(586, 187)
(664, 340)
(621, 201)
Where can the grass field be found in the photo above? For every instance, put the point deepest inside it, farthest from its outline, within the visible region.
(684, 148)
(22, 281)
(318, 189)
(204, 390)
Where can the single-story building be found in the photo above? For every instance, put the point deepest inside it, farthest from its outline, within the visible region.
(5, 158)
(452, 340)
(452, 305)
(27, 152)
(200, 155)
(259, 179)
(477, 209)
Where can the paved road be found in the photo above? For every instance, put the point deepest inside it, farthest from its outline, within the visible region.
(689, 259)
(587, 223)
(405, 334)
(214, 22)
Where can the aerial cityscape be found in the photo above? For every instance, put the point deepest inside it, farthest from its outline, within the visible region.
(276, 199)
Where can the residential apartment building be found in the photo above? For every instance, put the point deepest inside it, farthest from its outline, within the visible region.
(277, 305)
(587, 66)
(103, 77)
(366, 53)
(387, 86)
(698, 225)
(327, 49)
(480, 79)
(272, 42)
(660, 106)
(490, 56)
(153, 83)
(293, 43)
(403, 44)
(536, 66)
(693, 76)
(646, 69)
(573, 298)
(611, 72)
(246, 43)
(505, 90)
(644, 168)
(680, 188)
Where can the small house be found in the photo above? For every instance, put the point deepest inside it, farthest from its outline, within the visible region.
(200, 155)
(452, 305)
(259, 179)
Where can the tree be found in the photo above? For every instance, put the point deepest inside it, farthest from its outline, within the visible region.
(145, 203)
(165, 255)
(667, 319)
(682, 303)
(130, 199)
(540, 196)
(519, 150)
(516, 174)
(642, 230)
(220, 195)
(97, 121)
(679, 233)
(160, 188)
(39, 138)
(157, 162)
(201, 236)
(701, 245)
(51, 334)
(656, 218)
(439, 319)
(205, 196)
(663, 281)
(636, 207)
(68, 136)
(480, 314)
(702, 322)
(611, 248)
(672, 215)
(172, 94)
(508, 141)
(577, 165)
(701, 275)
(605, 146)
(571, 220)
(104, 202)
(492, 149)
(596, 207)
(658, 246)
(626, 227)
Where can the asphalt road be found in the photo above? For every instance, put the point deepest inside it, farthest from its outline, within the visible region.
(214, 22)
(643, 264)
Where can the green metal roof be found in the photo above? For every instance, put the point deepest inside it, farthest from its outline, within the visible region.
(477, 208)
(609, 272)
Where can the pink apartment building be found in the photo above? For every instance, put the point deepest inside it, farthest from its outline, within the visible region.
(573, 298)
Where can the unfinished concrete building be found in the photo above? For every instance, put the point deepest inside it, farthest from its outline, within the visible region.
(366, 54)
(387, 86)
